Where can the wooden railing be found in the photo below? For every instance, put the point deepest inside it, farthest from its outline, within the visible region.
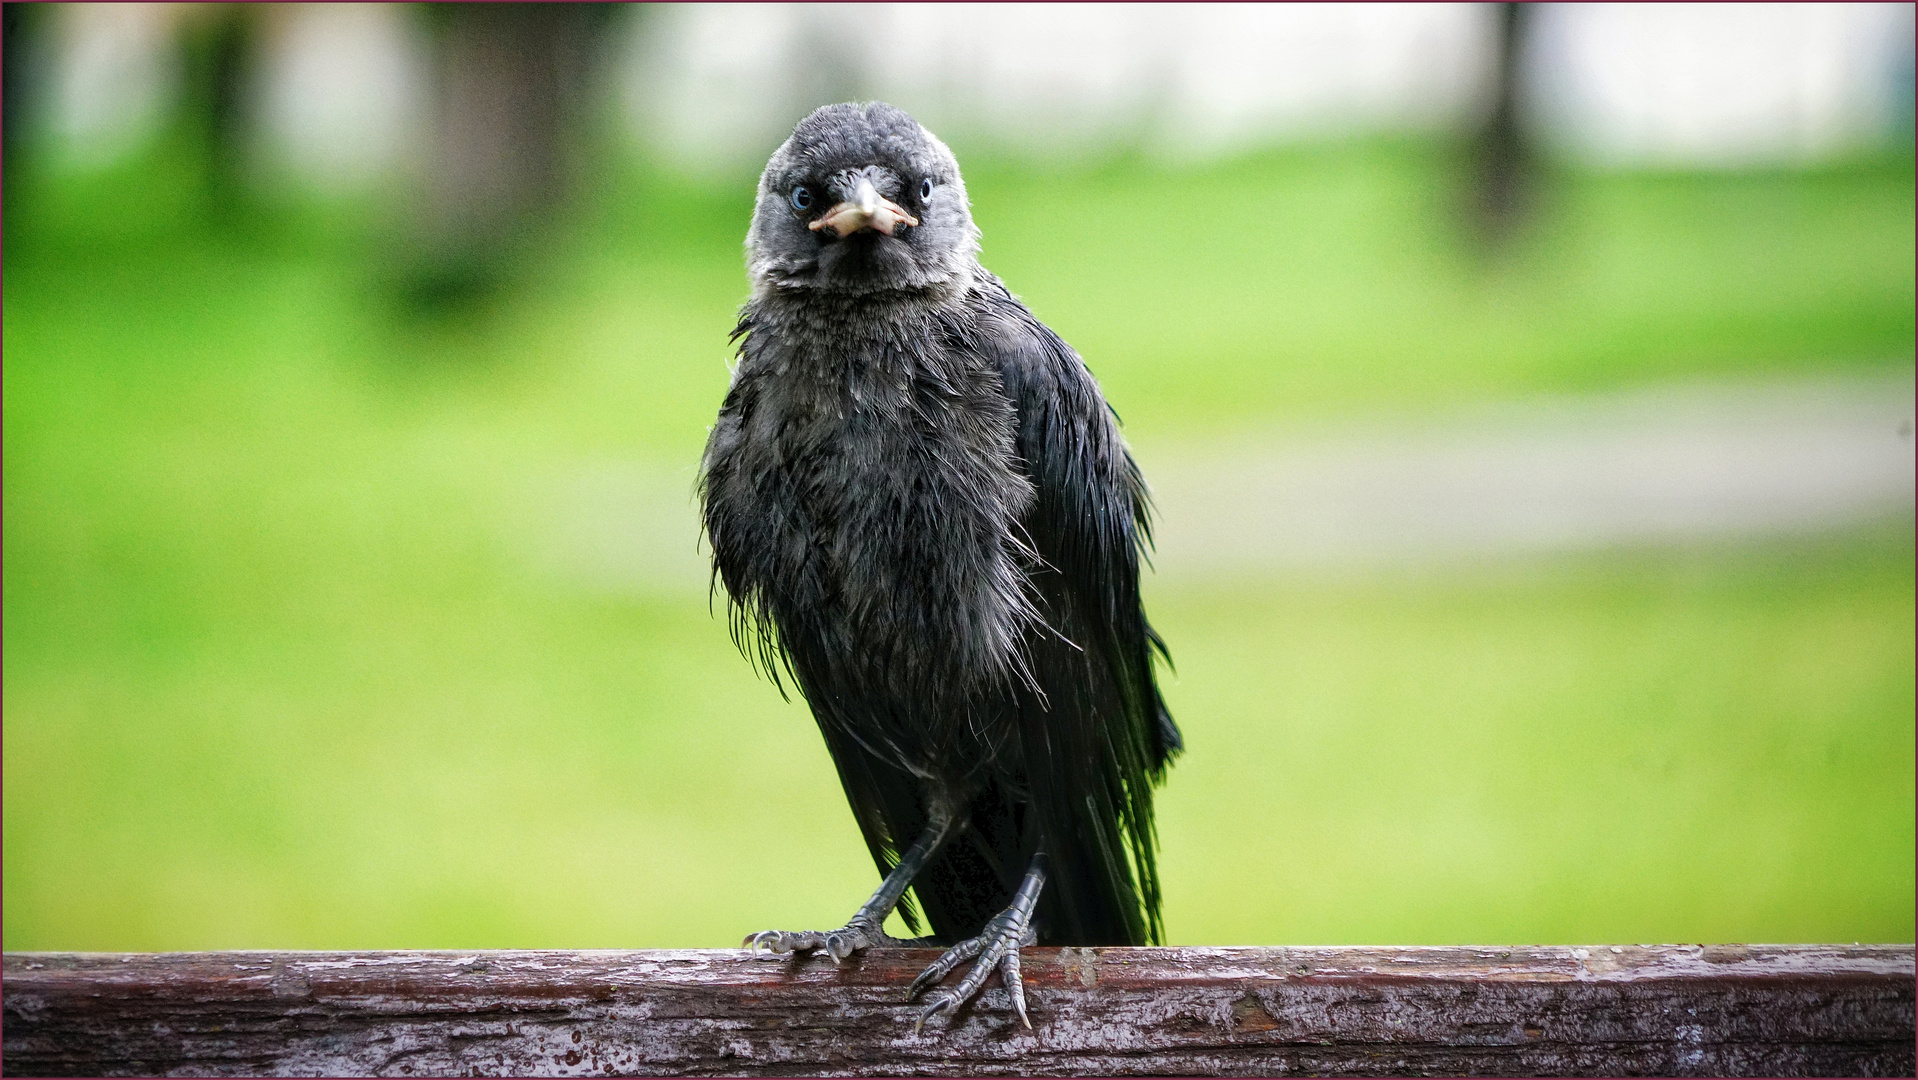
(1774, 1010)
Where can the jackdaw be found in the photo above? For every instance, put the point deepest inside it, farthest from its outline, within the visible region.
(924, 516)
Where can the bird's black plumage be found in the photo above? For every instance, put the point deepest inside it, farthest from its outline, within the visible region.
(923, 513)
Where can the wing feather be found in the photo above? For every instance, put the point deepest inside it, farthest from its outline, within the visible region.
(1103, 731)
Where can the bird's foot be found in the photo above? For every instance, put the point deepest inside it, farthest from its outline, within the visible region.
(858, 934)
(997, 947)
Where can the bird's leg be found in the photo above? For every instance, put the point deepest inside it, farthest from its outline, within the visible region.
(997, 946)
(864, 929)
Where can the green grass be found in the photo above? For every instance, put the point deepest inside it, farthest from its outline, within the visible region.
(281, 670)
(1337, 279)
(1713, 745)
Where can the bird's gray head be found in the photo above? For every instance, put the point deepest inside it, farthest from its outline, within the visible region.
(861, 199)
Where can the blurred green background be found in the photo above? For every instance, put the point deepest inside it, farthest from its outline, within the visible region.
(288, 664)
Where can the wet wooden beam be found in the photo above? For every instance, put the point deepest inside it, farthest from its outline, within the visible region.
(1772, 1010)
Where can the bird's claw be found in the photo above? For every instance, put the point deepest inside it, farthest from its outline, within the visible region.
(837, 944)
(997, 948)
(948, 960)
(943, 1001)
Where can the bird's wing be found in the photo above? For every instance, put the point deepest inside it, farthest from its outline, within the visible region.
(1104, 733)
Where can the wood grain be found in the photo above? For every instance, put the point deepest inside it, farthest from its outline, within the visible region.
(1775, 1010)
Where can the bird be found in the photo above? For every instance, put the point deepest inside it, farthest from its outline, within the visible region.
(926, 520)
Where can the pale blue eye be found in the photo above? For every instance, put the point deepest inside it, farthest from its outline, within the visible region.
(925, 188)
(802, 197)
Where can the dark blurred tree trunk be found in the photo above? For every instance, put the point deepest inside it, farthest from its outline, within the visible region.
(20, 30)
(1503, 180)
(511, 79)
(221, 42)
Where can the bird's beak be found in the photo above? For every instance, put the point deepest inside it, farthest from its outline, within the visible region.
(865, 210)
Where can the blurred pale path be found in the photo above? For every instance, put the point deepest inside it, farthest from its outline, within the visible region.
(1699, 461)
(1695, 462)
